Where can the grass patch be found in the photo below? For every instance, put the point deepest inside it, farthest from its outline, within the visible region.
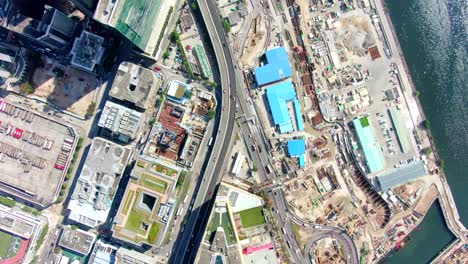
(128, 201)
(163, 169)
(7, 201)
(153, 233)
(181, 180)
(153, 183)
(141, 164)
(252, 217)
(134, 221)
(41, 238)
(5, 241)
(225, 224)
(364, 121)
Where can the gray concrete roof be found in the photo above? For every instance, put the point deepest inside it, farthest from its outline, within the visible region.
(134, 84)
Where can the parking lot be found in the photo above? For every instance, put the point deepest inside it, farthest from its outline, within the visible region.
(34, 153)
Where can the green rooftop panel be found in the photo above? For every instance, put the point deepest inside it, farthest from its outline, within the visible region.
(136, 21)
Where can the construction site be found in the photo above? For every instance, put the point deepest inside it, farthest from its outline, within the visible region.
(35, 152)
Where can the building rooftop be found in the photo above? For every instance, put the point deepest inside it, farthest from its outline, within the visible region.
(87, 51)
(98, 181)
(77, 240)
(402, 175)
(135, 19)
(186, 20)
(234, 18)
(147, 203)
(58, 29)
(276, 69)
(279, 96)
(401, 131)
(176, 91)
(103, 253)
(36, 153)
(372, 151)
(121, 121)
(296, 147)
(131, 256)
(265, 254)
(134, 84)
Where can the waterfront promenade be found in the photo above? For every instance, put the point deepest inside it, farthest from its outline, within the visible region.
(446, 200)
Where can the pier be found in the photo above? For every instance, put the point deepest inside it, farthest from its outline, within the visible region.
(449, 208)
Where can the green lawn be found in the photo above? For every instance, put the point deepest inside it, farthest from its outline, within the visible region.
(364, 121)
(141, 164)
(153, 233)
(5, 241)
(163, 169)
(128, 201)
(153, 183)
(135, 218)
(252, 217)
(227, 227)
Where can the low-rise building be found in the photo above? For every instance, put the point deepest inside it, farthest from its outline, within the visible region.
(98, 182)
(77, 240)
(121, 122)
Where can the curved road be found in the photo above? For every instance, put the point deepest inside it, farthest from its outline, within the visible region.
(328, 231)
(187, 243)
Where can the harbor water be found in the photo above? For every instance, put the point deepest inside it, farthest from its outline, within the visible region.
(433, 37)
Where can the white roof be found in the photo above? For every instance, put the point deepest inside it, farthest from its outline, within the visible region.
(240, 200)
(86, 214)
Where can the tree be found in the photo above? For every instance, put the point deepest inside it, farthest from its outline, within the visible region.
(26, 88)
(226, 25)
(194, 6)
(166, 55)
(90, 110)
(417, 93)
(211, 114)
(427, 151)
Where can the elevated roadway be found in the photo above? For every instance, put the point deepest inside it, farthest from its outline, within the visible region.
(186, 246)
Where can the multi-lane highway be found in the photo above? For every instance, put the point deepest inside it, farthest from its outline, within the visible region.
(187, 243)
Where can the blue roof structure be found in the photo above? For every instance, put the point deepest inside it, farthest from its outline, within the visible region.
(296, 147)
(276, 69)
(372, 151)
(278, 97)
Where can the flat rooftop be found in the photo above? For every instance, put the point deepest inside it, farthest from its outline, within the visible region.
(138, 20)
(98, 181)
(402, 175)
(34, 154)
(279, 96)
(372, 151)
(87, 51)
(77, 240)
(146, 205)
(276, 69)
(121, 120)
(135, 84)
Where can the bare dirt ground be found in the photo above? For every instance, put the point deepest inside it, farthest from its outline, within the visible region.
(73, 91)
(355, 34)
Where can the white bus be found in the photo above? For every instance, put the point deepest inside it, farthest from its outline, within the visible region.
(210, 141)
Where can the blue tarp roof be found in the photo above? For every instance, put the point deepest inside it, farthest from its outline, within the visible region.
(302, 161)
(278, 96)
(372, 151)
(296, 147)
(277, 67)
